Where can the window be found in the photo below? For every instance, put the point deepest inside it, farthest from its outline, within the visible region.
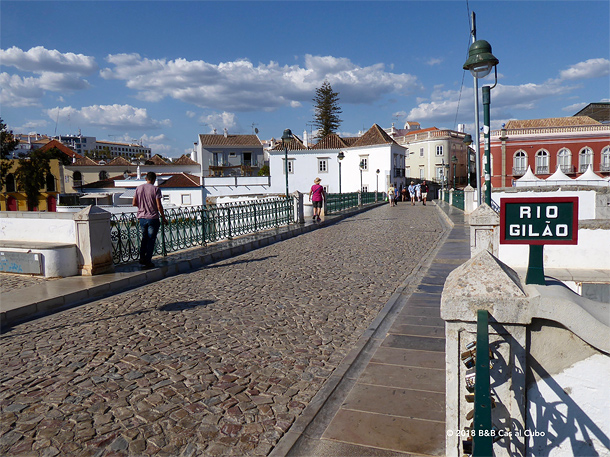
(542, 162)
(365, 161)
(421, 152)
(323, 165)
(605, 165)
(564, 160)
(103, 175)
(408, 172)
(439, 174)
(422, 173)
(365, 188)
(290, 167)
(585, 159)
(186, 199)
(50, 180)
(439, 150)
(10, 182)
(165, 198)
(519, 163)
(77, 179)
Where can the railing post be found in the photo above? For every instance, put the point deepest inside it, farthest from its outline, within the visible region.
(203, 225)
(163, 248)
(299, 209)
(482, 442)
(229, 234)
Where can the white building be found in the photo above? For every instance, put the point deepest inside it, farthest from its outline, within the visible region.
(229, 155)
(376, 150)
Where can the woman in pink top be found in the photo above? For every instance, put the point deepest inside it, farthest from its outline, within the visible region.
(316, 196)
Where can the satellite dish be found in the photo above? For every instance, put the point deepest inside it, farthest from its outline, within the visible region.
(256, 131)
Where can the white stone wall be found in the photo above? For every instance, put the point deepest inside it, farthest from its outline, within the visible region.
(32, 226)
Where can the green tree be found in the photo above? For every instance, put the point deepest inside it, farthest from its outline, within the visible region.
(8, 145)
(327, 110)
(264, 171)
(31, 174)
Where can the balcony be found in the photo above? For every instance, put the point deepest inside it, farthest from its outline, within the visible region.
(583, 167)
(605, 167)
(519, 171)
(542, 169)
(567, 169)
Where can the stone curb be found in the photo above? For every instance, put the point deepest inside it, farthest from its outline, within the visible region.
(299, 427)
(101, 288)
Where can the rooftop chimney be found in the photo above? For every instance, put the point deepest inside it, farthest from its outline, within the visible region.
(226, 132)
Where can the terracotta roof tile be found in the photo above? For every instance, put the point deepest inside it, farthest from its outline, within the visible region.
(230, 140)
(184, 160)
(551, 122)
(181, 180)
(85, 161)
(330, 141)
(119, 161)
(155, 160)
(296, 144)
(374, 135)
(62, 147)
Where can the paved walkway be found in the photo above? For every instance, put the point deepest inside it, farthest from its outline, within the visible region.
(225, 360)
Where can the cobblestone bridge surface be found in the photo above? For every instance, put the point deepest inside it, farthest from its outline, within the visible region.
(218, 361)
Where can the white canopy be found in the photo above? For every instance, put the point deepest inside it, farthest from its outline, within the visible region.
(589, 175)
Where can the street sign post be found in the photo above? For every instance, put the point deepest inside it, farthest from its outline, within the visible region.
(538, 221)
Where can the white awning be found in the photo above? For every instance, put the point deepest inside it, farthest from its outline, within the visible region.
(96, 195)
(129, 193)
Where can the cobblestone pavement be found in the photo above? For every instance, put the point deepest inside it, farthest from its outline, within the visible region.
(219, 361)
(10, 281)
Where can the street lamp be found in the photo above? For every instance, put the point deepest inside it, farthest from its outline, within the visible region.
(454, 161)
(480, 62)
(468, 142)
(361, 168)
(285, 137)
(340, 156)
(377, 188)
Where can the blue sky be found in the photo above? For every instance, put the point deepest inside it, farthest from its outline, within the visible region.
(166, 71)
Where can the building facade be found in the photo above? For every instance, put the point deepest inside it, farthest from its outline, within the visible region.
(570, 144)
(229, 155)
(371, 162)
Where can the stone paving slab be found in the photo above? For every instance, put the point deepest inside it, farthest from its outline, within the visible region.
(222, 360)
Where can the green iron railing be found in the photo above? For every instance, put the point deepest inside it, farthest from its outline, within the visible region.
(446, 195)
(340, 202)
(482, 441)
(369, 197)
(458, 199)
(197, 225)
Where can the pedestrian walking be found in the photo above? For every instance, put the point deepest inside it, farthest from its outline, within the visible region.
(418, 191)
(148, 199)
(424, 192)
(316, 197)
(392, 195)
(412, 192)
(404, 194)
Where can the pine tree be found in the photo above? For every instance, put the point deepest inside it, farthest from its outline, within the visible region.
(327, 110)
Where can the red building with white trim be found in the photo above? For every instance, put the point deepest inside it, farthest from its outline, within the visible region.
(571, 143)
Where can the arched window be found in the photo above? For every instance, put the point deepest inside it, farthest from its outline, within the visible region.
(519, 163)
(50, 182)
(542, 162)
(10, 182)
(605, 159)
(585, 158)
(564, 160)
(103, 175)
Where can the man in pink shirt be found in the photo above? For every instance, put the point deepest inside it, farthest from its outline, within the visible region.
(148, 200)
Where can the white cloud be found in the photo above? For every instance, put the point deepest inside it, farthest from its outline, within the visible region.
(592, 68)
(41, 60)
(434, 61)
(108, 116)
(220, 121)
(55, 72)
(242, 86)
(191, 114)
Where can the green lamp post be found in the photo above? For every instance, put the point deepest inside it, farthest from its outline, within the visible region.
(454, 161)
(340, 157)
(480, 62)
(287, 135)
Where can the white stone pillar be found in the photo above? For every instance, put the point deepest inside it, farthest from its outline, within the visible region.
(94, 245)
(484, 230)
(299, 210)
(469, 203)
